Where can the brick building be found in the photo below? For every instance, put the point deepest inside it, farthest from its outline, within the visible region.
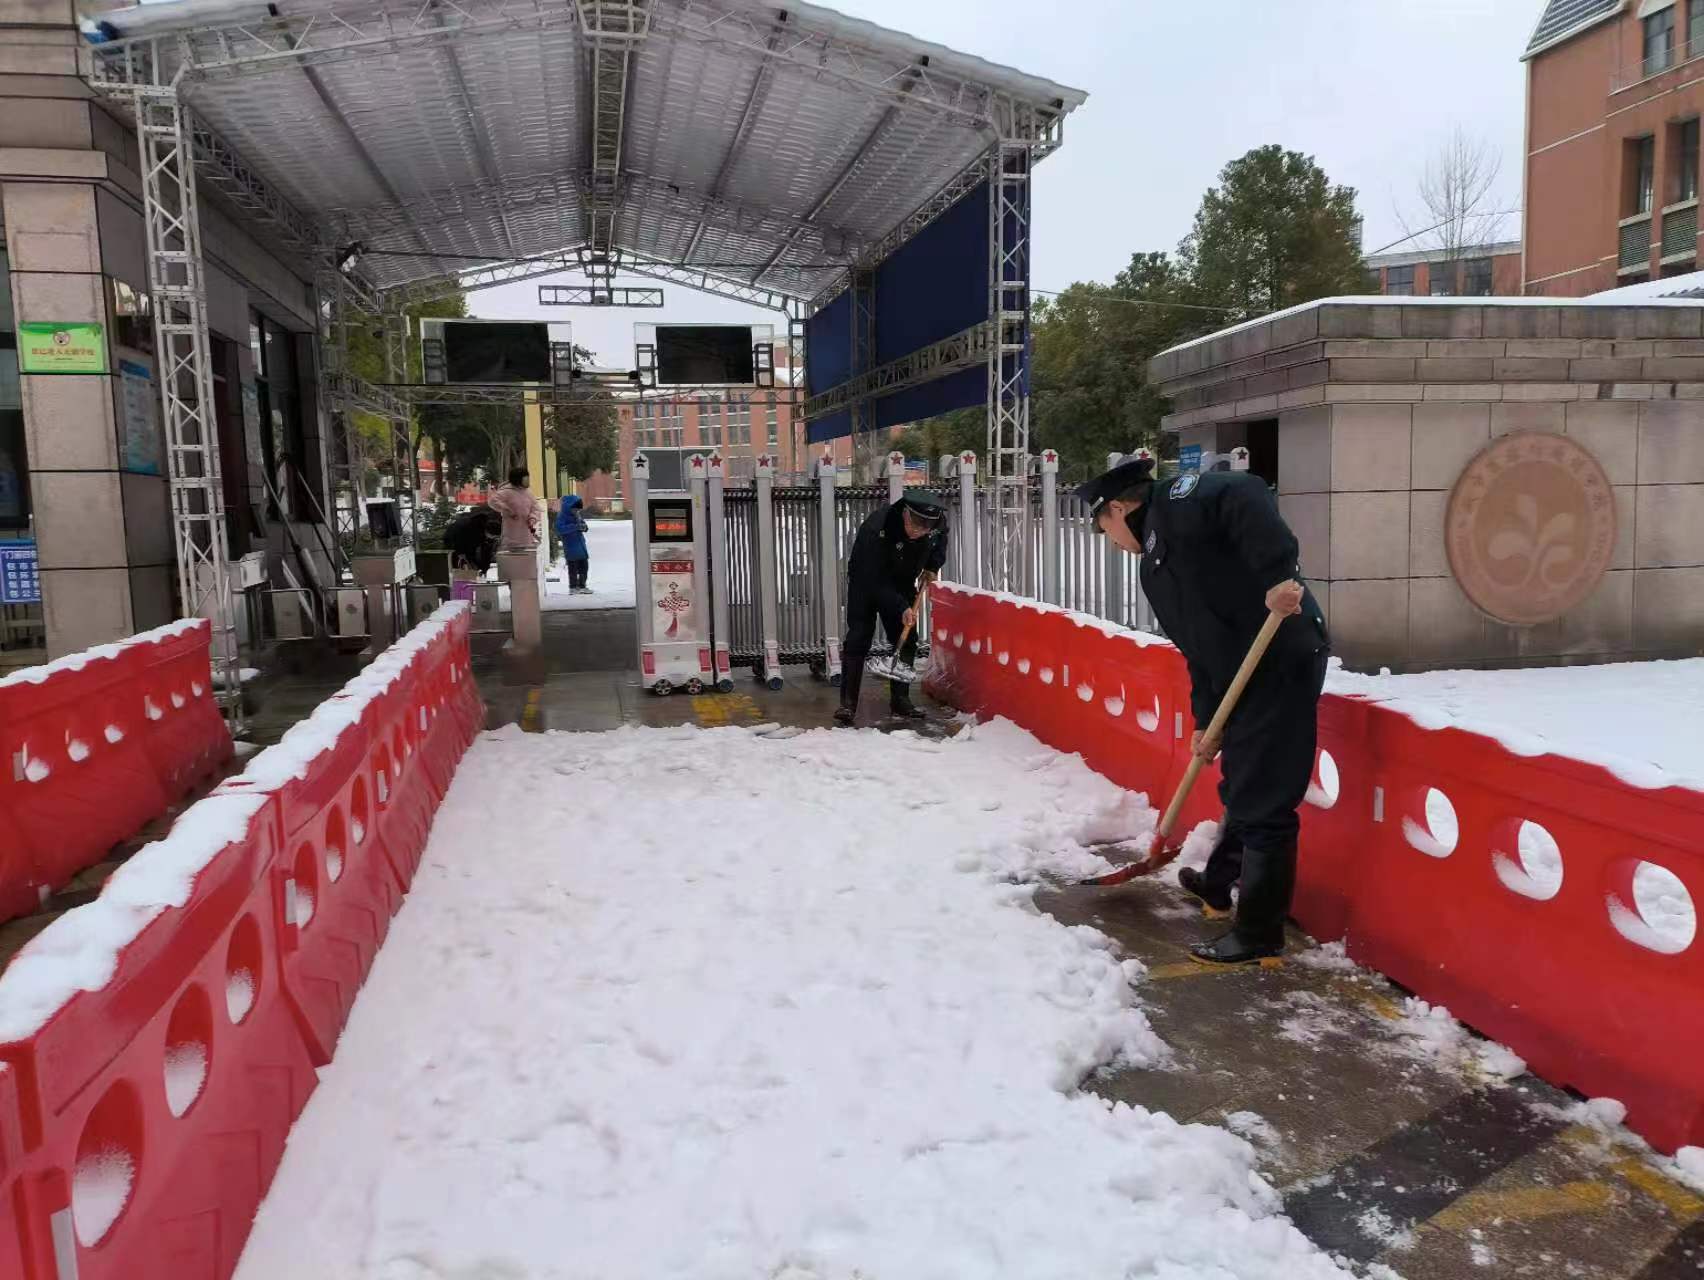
(1474, 271)
(1615, 89)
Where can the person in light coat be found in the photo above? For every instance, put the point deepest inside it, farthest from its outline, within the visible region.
(514, 502)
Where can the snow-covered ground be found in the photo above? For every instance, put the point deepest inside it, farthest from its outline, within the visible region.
(609, 574)
(711, 1003)
(1637, 719)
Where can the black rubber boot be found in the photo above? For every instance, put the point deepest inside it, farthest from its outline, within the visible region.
(846, 714)
(900, 706)
(1268, 881)
(1215, 902)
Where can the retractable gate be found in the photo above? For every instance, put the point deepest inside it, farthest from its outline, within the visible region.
(773, 562)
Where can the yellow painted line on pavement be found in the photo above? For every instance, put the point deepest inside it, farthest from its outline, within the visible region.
(1478, 1209)
(1664, 1190)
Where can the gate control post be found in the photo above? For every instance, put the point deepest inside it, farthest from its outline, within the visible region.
(1050, 526)
(1112, 602)
(641, 503)
(769, 669)
(896, 476)
(828, 564)
(970, 562)
(715, 528)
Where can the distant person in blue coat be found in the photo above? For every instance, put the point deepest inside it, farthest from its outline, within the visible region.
(571, 528)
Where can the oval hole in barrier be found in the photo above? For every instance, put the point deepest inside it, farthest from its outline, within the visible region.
(109, 1161)
(1148, 718)
(1662, 916)
(189, 1049)
(398, 751)
(1435, 831)
(336, 843)
(359, 816)
(1325, 786)
(381, 776)
(1534, 870)
(243, 970)
(307, 885)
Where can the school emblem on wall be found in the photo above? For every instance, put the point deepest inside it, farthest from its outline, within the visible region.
(1530, 527)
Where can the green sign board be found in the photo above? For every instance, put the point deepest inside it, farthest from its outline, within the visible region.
(61, 348)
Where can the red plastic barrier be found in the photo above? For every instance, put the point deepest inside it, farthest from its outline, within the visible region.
(99, 750)
(1577, 983)
(112, 1162)
(108, 1113)
(1553, 978)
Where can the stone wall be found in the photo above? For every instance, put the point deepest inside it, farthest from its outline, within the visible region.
(1380, 407)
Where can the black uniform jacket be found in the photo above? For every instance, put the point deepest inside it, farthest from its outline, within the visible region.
(883, 567)
(1212, 546)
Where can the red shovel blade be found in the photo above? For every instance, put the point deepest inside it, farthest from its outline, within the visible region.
(1159, 853)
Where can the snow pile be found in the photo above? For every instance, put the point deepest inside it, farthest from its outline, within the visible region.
(100, 652)
(1330, 957)
(609, 573)
(1636, 719)
(823, 1033)
(79, 951)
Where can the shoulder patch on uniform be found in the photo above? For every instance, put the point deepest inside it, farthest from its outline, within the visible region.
(1184, 485)
(1153, 538)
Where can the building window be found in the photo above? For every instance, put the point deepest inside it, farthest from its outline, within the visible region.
(1443, 279)
(1399, 280)
(1694, 29)
(740, 433)
(1687, 168)
(1659, 41)
(1644, 175)
(710, 426)
(773, 428)
(1476, 278)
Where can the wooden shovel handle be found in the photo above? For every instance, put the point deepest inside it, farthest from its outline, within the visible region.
(905, 631)
(1216, 726)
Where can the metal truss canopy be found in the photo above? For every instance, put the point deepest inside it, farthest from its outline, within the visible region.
(765, 147)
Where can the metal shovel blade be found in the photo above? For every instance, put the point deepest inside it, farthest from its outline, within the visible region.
(891, 668)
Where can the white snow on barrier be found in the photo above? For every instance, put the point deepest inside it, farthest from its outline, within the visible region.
(100, 1188)
(792, 1012)
(1636, 719)
(239, 994)
(186, 1072)
(79, 951)
(77, 661)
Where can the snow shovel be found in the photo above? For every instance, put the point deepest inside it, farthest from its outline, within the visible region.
(1160, 851)
(890, 667)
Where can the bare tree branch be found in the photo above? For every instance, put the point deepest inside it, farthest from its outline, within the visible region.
(1458, 209)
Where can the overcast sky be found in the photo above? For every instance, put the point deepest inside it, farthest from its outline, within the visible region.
(1176, 89)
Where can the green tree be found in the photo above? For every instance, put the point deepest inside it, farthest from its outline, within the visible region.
(1274, 233)
(934, 438)
(584, 434)
(1088, 384)
(378, 448)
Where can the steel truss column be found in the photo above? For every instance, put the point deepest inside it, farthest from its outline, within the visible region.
(795, 313)
(407, 462)
(1008, 362)
(332, 306)
(865, 446)
(177, 281)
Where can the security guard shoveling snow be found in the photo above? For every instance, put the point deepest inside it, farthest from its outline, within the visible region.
(897, 553)
(1220, 569)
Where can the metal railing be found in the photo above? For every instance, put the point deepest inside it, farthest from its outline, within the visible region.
(1068, 562)
(1644, 69)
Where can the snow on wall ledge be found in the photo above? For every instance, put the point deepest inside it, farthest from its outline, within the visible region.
(1426, 844)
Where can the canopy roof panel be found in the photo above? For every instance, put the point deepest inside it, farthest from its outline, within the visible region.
(757, 144)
